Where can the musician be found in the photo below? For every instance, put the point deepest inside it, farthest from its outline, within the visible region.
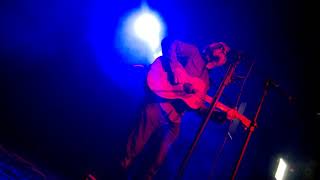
(166, 113)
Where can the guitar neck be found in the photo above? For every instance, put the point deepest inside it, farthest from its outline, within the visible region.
(225, 108)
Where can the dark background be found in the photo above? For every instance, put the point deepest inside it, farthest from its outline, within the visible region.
(69, 98)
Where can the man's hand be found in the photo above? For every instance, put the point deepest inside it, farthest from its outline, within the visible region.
(178, 76)
(188, 88)
(232, 114)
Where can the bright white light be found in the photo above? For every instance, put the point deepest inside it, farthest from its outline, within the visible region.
(140, 34)
(147, 27)
(282, 166)
(157, 54)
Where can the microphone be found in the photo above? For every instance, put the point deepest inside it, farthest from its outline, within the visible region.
(236, 55)
(233, 54)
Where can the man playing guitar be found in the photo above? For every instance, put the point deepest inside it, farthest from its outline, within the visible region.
(177, 81)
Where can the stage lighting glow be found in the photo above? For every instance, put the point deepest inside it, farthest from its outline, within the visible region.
(140, 35)
(282, 166)
(157, 53)
(147, 27)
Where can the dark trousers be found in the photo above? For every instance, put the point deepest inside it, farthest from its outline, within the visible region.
(152, 118)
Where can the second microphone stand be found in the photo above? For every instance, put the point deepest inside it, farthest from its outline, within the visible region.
(251, 128)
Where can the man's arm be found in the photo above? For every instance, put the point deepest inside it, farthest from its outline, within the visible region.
(181, 50)
(180, 53)
(158, 82)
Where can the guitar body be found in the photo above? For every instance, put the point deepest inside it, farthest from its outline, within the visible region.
(157, 80)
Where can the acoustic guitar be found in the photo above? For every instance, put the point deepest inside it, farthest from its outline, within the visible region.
(157, 80)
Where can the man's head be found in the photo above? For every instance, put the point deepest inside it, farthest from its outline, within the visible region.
(215, 54)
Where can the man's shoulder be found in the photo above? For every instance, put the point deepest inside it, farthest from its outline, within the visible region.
(161, 60)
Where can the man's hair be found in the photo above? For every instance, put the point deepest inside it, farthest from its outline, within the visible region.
(165, 45)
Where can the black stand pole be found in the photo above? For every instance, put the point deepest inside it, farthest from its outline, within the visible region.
(224, 83)
(251, 128)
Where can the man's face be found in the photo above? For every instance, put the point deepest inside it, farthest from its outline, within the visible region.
(219, 51)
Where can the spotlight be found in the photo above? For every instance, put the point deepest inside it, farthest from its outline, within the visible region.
(141, 34)
(281, 170)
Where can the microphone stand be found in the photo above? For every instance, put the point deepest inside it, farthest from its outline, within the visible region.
(251, 128)
(227, 79)
(228, 135)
